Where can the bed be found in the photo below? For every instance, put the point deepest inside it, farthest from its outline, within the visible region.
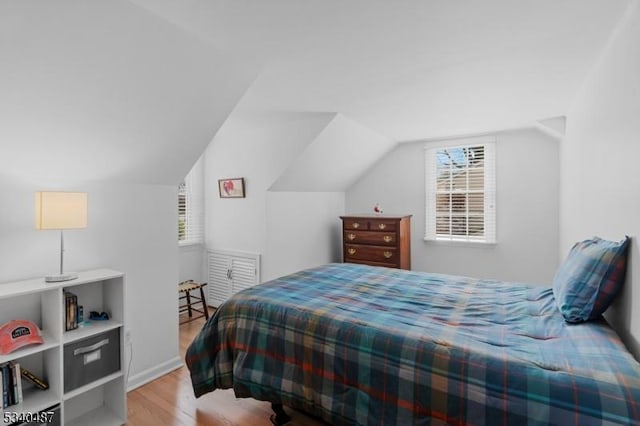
(356, 344)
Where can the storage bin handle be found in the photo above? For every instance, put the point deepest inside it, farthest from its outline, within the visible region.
(91, 348)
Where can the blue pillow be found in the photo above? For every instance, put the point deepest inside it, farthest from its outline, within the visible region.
(590, 277)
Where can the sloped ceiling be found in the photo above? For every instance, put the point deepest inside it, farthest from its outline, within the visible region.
(104, 90)
(134, 90)
(409, 69)
(555, 126)
(334, 159)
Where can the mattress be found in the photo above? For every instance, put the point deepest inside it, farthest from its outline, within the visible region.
(356, 344)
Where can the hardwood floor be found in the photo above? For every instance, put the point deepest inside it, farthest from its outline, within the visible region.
(169, 400)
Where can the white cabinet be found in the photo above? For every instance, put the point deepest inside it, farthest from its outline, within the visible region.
(99, 402)
(230, 272)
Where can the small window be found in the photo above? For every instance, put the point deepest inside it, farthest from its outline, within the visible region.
(460, 186)
(182, 211)
(190, 209)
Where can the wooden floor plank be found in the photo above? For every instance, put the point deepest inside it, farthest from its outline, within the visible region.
(169, 400)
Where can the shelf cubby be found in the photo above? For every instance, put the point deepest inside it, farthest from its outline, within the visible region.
(99, 402)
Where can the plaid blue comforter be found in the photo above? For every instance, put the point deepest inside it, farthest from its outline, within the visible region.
(355, 344)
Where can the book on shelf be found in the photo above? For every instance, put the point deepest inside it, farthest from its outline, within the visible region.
(32, 378)
(2, 392)
(71, 310)
(17, 381)
(4, 370)
(13, 390)
(11, 384)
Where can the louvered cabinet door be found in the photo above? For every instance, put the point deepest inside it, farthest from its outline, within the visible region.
(243, 274)
(231, 272)
(219, 281)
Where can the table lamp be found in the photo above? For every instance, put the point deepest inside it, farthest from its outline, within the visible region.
(60, 211)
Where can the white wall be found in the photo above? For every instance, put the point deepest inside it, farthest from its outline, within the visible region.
(335, 159)
(527, 209)
(259, 148)
(133, 97)
(304, 230)
(191, 262)
(131, 228)
(600, 182)
(192, 255)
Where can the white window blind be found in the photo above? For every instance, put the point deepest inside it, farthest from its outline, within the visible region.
(191, 209)
(461, 191)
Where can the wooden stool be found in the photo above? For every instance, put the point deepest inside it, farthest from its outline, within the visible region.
(186, 287)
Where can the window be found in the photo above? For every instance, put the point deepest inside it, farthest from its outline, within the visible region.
(460, 186)
(190, 208)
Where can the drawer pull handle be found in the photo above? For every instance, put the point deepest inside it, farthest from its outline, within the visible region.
(355, 225)
(382, 225)
(387, 254)
(387, 238)
(91, 348)
(351, 237)
(351, 251)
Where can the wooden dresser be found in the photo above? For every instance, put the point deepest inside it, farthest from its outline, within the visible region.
(377, 240)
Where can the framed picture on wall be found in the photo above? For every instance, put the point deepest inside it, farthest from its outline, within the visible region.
(231, 188)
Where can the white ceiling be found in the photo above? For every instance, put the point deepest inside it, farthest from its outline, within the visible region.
(334, 158)
(94, 90)
(134, 90)
(409, 69)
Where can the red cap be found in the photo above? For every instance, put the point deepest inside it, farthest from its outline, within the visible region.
(18, 333)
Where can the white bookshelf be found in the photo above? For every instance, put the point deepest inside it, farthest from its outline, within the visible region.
(100, 402)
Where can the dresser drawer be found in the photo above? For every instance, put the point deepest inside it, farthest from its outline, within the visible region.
(370, 253)
(370, 237)
(382, 225)
(355, 223)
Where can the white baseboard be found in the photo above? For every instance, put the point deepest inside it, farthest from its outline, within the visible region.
(153, 373)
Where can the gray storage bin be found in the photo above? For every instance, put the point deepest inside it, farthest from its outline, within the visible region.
(91, 358)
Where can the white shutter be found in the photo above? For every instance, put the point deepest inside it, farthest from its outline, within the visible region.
(195, 207)
(182, 212)
(231, 272)
(219, 283)
(243, 273)
(430, 199)
(460, 190)
(191, 207)
(490, 192)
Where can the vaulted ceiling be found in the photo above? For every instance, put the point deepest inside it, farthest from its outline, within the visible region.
(104, 90)
(136, 89)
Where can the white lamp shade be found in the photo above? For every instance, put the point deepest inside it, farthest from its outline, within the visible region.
(61, 210)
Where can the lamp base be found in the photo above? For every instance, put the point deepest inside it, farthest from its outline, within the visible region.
(56, 278)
